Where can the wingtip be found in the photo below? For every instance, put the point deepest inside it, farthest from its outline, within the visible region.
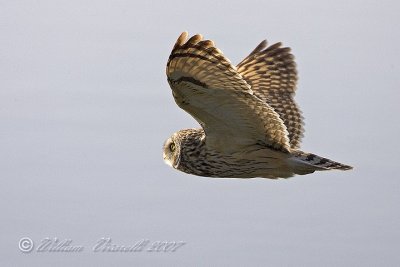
(181, 39)
(195, 39)
(263, 44)
(260, 47)
(183, 35)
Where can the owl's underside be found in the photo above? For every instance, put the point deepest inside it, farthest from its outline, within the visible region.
(251, 126)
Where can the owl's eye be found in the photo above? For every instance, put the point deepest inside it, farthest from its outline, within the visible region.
(172, 147)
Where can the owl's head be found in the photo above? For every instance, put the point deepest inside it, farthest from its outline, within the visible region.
(171, 150)
(181, 146)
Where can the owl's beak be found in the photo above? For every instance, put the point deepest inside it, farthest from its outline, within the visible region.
(166, 160)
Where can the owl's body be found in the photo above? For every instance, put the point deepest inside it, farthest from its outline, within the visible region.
(256, 160)
(251, 126)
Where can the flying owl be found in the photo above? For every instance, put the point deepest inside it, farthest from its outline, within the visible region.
(251, 126)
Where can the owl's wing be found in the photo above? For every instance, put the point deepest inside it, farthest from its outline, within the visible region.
(271, 73)
(209, 88)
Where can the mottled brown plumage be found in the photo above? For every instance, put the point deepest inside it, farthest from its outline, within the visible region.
(271, 73)
(251, 126)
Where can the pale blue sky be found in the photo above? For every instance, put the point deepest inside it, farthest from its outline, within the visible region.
(85, 109)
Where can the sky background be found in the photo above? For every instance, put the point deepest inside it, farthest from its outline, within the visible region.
(85, 108)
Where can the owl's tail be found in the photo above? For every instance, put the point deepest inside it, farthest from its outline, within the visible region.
(303, 163)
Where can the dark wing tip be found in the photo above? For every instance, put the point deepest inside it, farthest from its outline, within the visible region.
(259, 48)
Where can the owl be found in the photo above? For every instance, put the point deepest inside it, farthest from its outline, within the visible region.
(250, 123)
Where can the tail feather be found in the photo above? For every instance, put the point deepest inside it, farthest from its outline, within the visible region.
(303, 162)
